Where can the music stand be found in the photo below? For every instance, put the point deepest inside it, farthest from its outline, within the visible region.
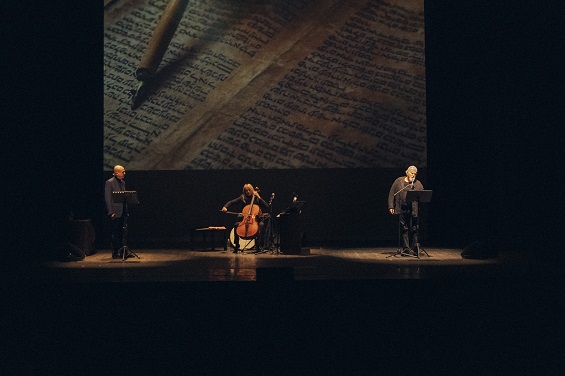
(125, 198)
(294, 207)
(424, 196)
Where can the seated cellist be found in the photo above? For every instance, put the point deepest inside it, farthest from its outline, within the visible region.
(249, 205)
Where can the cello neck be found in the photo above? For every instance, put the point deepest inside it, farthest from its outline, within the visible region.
(251, 205)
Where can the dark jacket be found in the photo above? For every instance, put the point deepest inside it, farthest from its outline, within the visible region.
(113, 184)
(398, 202)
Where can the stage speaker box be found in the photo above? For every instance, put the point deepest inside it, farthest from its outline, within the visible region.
(478, 250)
(290, 231)
(82, 235)
(65, 252)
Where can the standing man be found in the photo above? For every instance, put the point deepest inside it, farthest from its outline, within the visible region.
(407, 212)
(114, 211)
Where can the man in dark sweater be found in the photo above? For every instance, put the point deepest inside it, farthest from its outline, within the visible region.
(408, 213)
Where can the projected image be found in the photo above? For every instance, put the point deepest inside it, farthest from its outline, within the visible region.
(272, 84)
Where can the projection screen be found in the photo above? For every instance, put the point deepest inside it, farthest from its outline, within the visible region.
(273, 84)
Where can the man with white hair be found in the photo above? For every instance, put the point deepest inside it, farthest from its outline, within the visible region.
(407, 212)
(114, 211)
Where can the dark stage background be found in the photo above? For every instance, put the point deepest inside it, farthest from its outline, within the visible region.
(489, 140)
(344, 207)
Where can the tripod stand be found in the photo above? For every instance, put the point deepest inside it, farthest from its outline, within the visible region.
(125, 197)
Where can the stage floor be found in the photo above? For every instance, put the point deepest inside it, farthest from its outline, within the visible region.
(155, 265)
(206, 312)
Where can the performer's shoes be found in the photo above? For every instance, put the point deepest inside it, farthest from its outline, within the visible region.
(406, 252)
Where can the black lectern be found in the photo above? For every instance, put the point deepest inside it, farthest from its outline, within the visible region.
(290, 229)
(125, 198)
(418, 196)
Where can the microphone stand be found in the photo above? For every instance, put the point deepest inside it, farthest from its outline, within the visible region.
(272, 236)
(268, 237)
(410, 185)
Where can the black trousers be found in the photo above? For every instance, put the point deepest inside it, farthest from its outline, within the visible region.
(117, 234)
(408, 230)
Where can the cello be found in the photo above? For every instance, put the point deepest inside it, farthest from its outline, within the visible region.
(248, 227)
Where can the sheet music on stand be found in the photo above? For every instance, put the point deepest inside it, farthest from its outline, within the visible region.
(294, 207)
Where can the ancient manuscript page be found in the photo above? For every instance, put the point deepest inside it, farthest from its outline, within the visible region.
(268, 84)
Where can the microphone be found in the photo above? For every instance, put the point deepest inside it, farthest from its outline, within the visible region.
(412, 180)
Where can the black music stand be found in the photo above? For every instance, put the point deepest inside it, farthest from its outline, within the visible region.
(424, 196)
(125, 198)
